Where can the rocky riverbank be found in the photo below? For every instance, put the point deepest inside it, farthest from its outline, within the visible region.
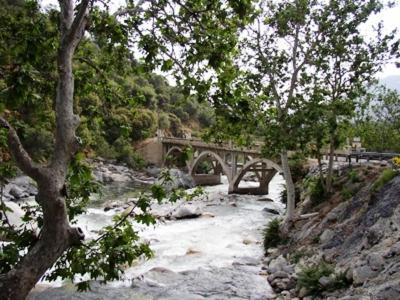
(350, 249)
(116, 177)
(217, 255)
(208, 248)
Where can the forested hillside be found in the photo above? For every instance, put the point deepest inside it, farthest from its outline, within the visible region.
(118, 100)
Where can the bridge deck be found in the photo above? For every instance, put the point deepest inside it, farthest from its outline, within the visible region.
(211, 146)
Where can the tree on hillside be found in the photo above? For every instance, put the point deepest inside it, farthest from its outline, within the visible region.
(292, 58)
(377, 120)
(151, 26)
(346, 67)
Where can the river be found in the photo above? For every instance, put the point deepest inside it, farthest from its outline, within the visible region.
(216, 256)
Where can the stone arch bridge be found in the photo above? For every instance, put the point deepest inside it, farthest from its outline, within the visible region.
(220, 159)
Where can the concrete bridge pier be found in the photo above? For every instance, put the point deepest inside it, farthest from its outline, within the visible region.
(262, 189)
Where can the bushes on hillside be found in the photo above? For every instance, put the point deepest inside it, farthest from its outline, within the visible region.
(385, 177)
(272, 236)
(310, 279)
(143, 124)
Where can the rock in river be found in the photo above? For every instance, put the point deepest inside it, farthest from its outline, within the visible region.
(187, 212)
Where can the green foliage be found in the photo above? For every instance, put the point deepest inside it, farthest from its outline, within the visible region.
(204, 167)
(7, 171)
(126, 154)
(309, 277)
(340, 281)
(115, 95)
(104, 257)
(386, 176)
(317, 192)
(38, 141)
(175, 125)
(353, 176)
(297, 167)
(272, 236)
(296, 256)
(377, 120)
(163, 121)
(80, 185)
(143, 124)
(346, 193)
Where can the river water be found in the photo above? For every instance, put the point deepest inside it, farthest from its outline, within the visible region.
(216, 256)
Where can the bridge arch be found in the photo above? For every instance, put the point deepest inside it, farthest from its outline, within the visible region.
(271, 169)
(203, 155)
(174, 152)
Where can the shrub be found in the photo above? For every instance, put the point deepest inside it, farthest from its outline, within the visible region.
(143, 124)
(309, 277)
(340, 281)
(163, 121)
(297, 255)
(181, 114)
(104, 149)
(204, 167)
(272, 235)
(206, 117)
(126, 154)
(385, 177)
(297, 167)
(39, 142)
(396, 162)
(353, 176)
(176, 125)
(317, 191)
(346, 193)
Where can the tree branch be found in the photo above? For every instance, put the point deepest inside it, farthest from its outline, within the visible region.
(92, 64)
(78, 25)
(22, 158)
(131, 11)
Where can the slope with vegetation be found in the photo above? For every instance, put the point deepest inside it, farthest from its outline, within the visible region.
(118, 100)
(349, 246)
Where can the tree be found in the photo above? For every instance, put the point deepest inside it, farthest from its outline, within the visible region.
(58, 240)
(277, 53)
(346, 65)
(294, 56)
(377, 120)
(57, 234)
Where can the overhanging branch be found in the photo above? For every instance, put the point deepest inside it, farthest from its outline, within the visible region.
(21, 156)
(78, 24)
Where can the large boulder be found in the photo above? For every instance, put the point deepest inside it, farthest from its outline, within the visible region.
(179, 180)
(19, 188)
(187, 212)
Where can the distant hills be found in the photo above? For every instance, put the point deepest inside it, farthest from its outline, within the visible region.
(392, 82)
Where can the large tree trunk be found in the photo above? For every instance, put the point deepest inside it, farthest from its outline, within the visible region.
(56, 235)
(329, 176)
(291, 197)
